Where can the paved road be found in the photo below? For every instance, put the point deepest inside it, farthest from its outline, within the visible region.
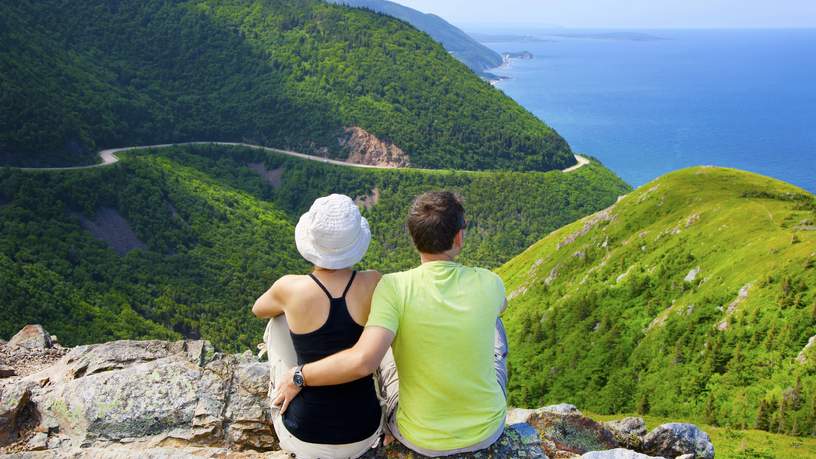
(109, 156)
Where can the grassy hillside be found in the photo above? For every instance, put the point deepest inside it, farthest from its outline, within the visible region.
(79, 76)
(181, 241)
(693, 296)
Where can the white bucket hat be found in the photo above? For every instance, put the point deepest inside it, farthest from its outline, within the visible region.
(333, 234)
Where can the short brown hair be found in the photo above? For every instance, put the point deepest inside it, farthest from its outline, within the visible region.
(434, 220)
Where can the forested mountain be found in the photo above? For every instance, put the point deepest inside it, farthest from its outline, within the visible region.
(693, 296)
(472, 53)
(297, 74)
(180, 241)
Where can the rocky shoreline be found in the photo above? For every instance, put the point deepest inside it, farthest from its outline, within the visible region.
(185, 399)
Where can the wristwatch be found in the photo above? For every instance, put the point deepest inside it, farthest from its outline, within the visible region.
(298, 377)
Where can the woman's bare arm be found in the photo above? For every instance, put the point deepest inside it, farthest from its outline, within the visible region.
(270, 304)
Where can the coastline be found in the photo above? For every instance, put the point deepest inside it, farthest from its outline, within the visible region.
(507, 61)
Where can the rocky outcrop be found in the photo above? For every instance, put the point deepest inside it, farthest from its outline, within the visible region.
(628, 432)
(571, 432)
(143, 394)
(31, 337)
(365, 148)
(183, 399)
(590, 222)
(806, 352)
(678, 439)
(617, 453)
(518, 441)
(13, 400)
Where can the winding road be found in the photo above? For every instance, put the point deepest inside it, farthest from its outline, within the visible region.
(109, 157)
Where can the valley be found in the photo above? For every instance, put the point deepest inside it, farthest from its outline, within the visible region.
(212, 226)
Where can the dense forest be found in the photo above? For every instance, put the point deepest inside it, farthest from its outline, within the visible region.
(180, 241)
(461, 45)
(79, 76)
(694, 296)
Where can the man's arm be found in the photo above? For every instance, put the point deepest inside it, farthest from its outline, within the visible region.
(350, 365)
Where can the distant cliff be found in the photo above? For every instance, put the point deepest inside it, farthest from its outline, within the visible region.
(461, 45)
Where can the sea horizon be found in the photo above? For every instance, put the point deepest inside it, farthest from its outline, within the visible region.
(649, 101)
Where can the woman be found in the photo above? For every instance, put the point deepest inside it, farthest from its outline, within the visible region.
(315, 316)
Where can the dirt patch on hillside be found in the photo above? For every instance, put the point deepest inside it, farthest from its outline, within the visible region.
(273, 177)
(366, 148)
(111, 228)
(369, 200)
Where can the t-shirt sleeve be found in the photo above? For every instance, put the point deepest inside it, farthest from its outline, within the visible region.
(385, 307)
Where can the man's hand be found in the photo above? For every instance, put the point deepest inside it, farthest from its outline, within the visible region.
(286, 391)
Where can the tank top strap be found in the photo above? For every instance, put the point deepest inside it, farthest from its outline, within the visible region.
(320, 284)
(348, 287)
(326, 291)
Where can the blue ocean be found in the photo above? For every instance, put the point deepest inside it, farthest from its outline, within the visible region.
(650, 101)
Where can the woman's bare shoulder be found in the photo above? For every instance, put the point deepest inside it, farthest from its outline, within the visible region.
(290, 282)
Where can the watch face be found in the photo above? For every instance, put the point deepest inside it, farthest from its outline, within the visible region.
(298, 379)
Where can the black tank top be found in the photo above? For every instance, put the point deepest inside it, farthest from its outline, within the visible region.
(332, 415)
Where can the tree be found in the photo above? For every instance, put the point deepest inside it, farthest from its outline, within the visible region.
(763, 416)
(710, 414)
(643, 406)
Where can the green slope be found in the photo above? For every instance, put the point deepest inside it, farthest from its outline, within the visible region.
(469, 51)
(214, 235)
(607, 314)
(78, 76)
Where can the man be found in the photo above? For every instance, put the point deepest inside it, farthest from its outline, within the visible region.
(449, 346)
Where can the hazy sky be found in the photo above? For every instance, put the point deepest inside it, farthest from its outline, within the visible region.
(624, 13)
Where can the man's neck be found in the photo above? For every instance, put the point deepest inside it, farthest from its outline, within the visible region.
(430, 257)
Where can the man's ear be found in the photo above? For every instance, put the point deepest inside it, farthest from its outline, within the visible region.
(459, 239)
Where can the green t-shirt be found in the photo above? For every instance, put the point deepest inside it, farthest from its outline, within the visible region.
(443, 316)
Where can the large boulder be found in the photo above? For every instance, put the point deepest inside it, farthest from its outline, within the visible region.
(677, 439)
(572, 433)
(147, 394)
(629, 432)
(31, 337)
